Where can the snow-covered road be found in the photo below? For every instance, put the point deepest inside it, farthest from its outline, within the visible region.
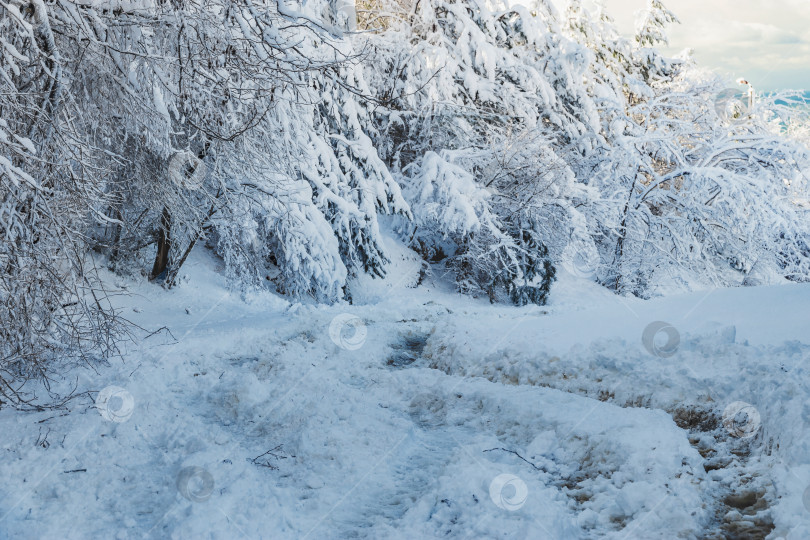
(425, 415)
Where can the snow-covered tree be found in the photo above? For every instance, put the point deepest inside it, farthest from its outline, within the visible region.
(139, 129)
(650, 32)
(498, 95)
(603, 125)
(51, 302)
(209, 89)
(698, 200)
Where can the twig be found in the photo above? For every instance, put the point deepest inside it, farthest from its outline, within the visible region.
(266, 463)
(535, 467)
(52, 417)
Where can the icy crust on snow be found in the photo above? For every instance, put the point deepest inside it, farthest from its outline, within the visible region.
(292, 435)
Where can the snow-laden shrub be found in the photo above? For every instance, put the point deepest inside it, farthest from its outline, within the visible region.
(312, 196)
(139, 129)
(705, 201)
(594, 143)
(51, 302)
(447, 200)
(499, 96)
(228, 114)
(456, 218)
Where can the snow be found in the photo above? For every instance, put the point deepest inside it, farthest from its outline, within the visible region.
(446, 193)
(260, 418)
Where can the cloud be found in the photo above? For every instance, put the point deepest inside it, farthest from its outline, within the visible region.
(764, 40)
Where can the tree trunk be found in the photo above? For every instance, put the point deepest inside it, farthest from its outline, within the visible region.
(171, 275)
(618, 254)
(117, 235)
(163, 245)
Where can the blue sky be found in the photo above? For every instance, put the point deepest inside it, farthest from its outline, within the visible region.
(765, 41)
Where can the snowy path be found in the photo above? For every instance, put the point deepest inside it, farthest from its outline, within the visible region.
(598, 437)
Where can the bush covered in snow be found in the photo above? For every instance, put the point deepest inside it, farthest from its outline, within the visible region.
(552, 128)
